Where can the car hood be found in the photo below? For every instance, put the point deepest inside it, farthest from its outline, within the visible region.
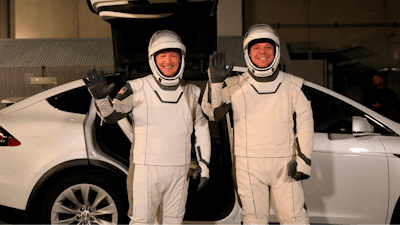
(41, 96)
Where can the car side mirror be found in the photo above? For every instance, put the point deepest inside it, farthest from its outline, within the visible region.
(361, 126)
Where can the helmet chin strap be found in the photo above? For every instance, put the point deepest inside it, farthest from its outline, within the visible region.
(161, 79)
(264, 79)
(166, 88)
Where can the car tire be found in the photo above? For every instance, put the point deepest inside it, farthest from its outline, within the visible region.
(396, 213)
(86, 196)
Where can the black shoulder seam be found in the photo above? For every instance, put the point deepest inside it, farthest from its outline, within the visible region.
(124, 92)
(200, 98)
(209, 92)
(305, 92)
(221, 111)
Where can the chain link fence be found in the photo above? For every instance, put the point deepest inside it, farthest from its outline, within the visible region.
(15, 81)
(310, 70)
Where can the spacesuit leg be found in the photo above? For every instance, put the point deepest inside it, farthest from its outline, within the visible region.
(175, 196)
(253, 181)
(146, 194)
(288, 195)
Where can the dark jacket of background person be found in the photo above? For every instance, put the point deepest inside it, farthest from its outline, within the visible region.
(381, 99)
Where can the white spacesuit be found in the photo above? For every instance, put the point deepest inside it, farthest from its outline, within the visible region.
(165, 112)
(273, 129)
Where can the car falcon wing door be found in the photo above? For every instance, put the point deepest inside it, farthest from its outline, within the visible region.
(134, 22)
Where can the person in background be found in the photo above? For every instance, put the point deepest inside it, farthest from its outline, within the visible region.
(380, 98)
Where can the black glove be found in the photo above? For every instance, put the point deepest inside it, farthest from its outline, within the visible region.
(97, 83)
(218, 71)
(292, 172)
(203, 180)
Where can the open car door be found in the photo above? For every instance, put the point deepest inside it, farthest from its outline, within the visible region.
(133, 23)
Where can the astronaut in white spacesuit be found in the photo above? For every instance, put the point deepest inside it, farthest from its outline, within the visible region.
(273, 128)
(165, 111)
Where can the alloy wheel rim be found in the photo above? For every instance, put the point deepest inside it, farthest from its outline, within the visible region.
(84, 204)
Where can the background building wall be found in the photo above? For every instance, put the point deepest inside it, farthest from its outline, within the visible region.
(295, 17)
(57, 19)
(11, 25)
(90, 24)
(4, 15)
(72, 19)
(46, 19)
(305, 24)
(229, 18)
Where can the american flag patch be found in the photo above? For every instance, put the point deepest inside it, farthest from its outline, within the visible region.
(122, 91)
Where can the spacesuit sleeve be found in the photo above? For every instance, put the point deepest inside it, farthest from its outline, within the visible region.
(203, 142)
(216, 93)
(120, 107)
(305, 131)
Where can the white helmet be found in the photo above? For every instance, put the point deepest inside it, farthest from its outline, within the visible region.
(261, 31)
(165, 39)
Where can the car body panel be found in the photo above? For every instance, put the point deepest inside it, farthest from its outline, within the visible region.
(343, 166)
(44, 145)
(59, 139)
(392, 144)
(339, 173)
(394, 185)
(392, 147)
(15, 187)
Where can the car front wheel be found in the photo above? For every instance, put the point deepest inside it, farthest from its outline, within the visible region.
(85, 197)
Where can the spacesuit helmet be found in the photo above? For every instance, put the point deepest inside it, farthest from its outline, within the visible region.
(261, 31)
(166, 39)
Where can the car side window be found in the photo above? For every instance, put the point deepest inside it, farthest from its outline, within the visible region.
(331, 115)
(327, 113)
(351, 111)
(75, 101)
